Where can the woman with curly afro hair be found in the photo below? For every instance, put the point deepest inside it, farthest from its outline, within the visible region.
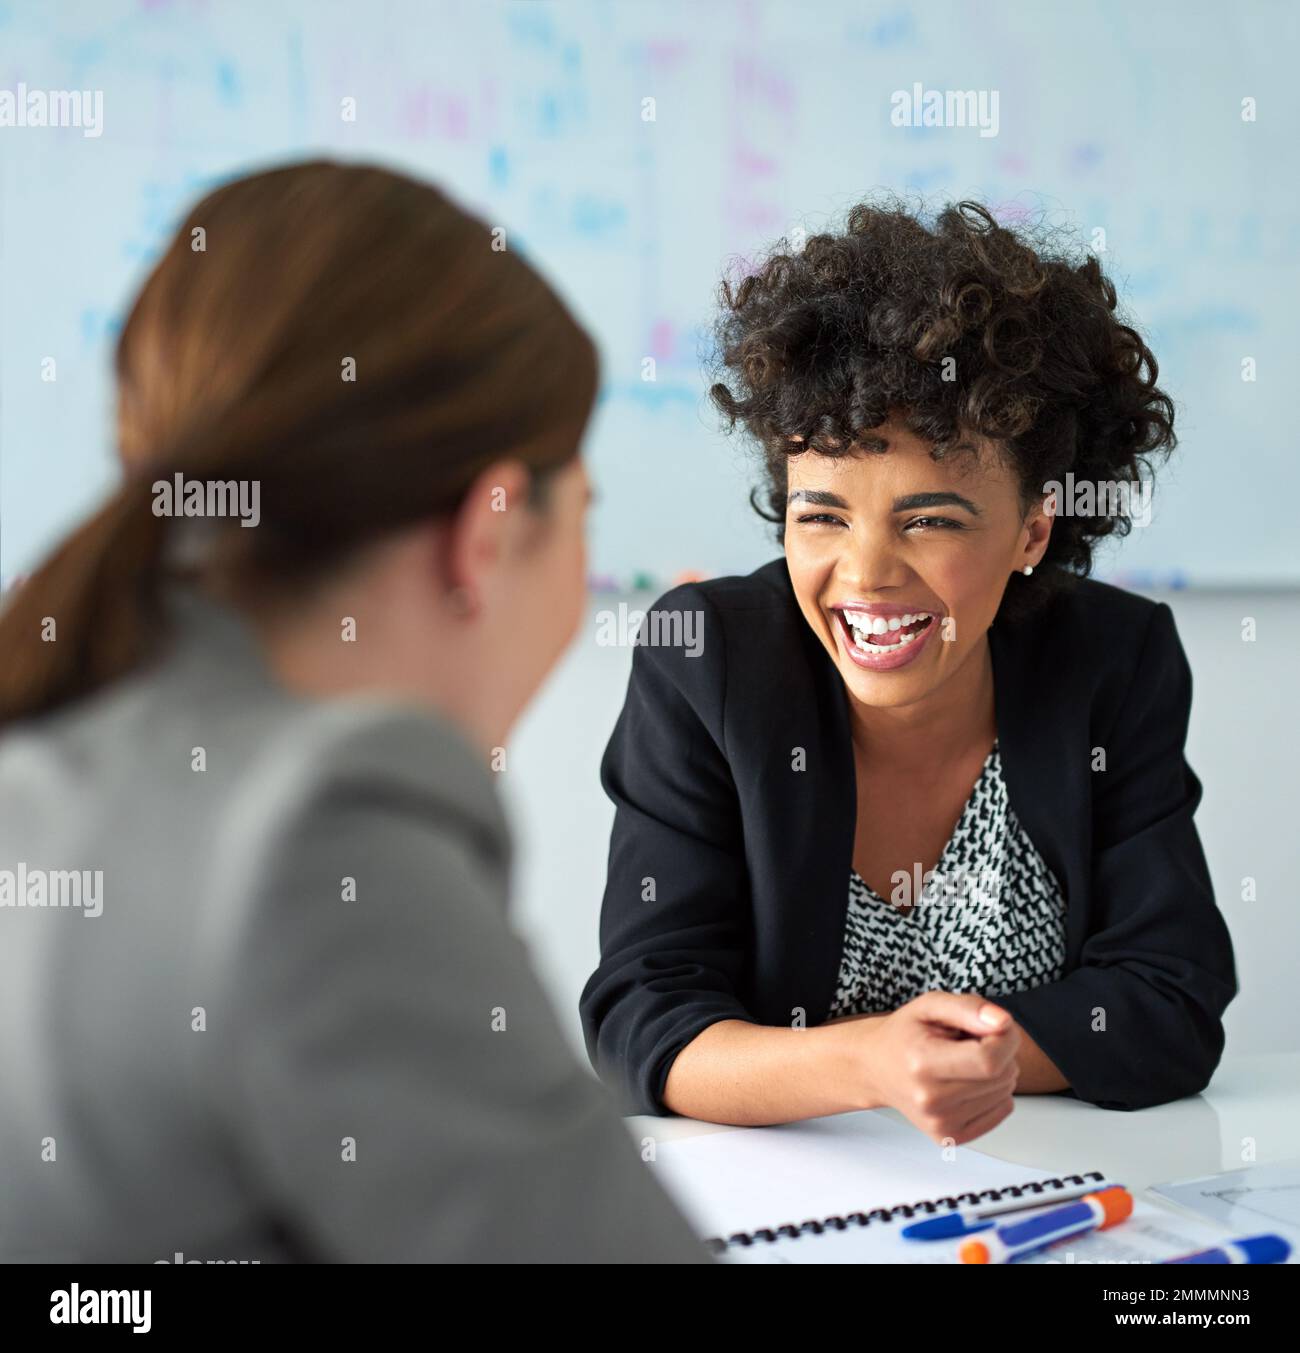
(913, 825)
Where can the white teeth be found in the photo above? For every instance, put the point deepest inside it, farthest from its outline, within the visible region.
(864, 625)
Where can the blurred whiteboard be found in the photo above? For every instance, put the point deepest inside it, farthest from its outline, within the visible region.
(767, 116)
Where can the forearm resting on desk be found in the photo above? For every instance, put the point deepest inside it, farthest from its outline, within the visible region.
(1039, 1075)
(753, 1074)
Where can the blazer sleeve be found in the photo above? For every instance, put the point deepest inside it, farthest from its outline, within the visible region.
(393, 1075)
(674, 923)
(1139, 1021)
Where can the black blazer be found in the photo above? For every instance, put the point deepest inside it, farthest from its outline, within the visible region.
(728, 878)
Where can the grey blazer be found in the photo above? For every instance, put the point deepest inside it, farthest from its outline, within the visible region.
(260, 1000)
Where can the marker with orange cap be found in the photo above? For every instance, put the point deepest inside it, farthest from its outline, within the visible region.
(1092, 1212)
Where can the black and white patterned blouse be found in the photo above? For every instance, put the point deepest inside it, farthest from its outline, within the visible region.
(991, 919)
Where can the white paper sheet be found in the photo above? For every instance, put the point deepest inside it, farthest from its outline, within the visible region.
(754, 1177)
(1259, 1199)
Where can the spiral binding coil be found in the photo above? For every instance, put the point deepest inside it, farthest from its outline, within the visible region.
(928, 1207)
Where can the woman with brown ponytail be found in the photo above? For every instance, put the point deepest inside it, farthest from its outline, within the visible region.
(258, 995)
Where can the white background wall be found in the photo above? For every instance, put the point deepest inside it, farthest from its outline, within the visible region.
(1242, 744)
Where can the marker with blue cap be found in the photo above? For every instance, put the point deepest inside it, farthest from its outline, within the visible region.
(1262, 1249)
(1096, 1211)
(965, 1221)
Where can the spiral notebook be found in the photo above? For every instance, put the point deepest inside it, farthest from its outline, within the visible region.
(841, 1189)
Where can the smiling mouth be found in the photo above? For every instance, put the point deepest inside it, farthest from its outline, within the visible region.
(896, 633)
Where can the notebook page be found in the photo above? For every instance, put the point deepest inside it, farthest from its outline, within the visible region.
(755, 1177)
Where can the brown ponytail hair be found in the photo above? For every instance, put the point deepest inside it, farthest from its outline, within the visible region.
(232, 364)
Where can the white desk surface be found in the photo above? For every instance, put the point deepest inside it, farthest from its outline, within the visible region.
(1250, 1114)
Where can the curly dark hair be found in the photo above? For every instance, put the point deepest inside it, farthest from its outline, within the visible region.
(825, 342)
